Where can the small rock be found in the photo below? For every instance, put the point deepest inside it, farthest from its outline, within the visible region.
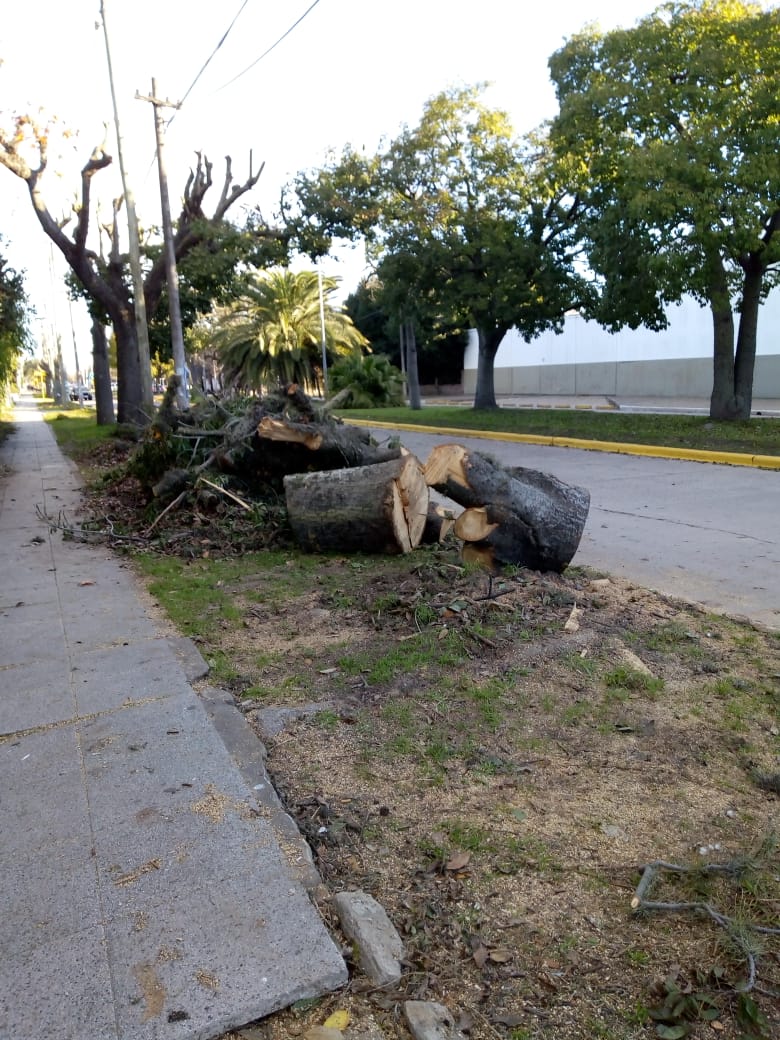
(611, 831)
(379, 945)
(428, 1020)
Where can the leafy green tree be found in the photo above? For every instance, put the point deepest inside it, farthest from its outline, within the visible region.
(670, 131)
(372, 381)
(14, 316)
(440, 350)
(212, 273)
(273, 333)
(468, 224)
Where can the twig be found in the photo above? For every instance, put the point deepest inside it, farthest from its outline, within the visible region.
(224, 491)
(639, 905)
(171, 505)
(83, 533)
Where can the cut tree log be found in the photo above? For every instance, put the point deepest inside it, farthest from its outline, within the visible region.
(473, 525)
(524, 516)
(380, 508)
(438, 524)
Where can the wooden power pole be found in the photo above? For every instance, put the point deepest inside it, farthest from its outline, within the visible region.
(139, 302)
(174, 308)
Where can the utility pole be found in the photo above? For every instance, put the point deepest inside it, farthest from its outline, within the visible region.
(139, 302)
(171, 274)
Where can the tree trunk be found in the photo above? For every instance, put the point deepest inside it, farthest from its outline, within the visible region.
(489, 340)
(722, 401)
(129, 396)
(370, 509)
(104, 398)
(745, 360)
(412, 369)
(524, 516)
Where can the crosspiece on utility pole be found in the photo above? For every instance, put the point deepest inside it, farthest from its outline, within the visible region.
(177, 334)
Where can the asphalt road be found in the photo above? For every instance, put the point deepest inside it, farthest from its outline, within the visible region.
(706, 533)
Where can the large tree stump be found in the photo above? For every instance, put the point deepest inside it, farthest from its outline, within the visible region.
(525, 516)
(381, 508)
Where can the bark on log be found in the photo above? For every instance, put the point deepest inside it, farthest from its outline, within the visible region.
(539, 519)
(380, 508)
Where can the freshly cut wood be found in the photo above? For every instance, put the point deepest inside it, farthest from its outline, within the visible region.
(381, 508)
(293, 433)
(473, 525)
(438, 524)
(538, 519)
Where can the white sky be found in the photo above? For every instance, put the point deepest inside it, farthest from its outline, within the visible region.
(352, 71)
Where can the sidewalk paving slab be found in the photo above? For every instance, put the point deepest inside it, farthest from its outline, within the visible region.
(146, 892)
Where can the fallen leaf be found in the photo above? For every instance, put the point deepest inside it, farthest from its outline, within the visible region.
(338, 1020)
(328, 671)
(500, 956)
(86, 583)
(480, 956)
(458, 861)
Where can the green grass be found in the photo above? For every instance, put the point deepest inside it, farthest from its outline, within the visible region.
(757, 436)
(76, 431)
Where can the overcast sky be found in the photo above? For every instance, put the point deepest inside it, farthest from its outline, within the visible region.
(351, 71)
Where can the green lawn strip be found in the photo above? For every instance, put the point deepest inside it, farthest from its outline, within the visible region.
(76, 431)
(759, 436)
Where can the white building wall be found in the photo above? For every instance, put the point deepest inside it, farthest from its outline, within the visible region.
(586, 358)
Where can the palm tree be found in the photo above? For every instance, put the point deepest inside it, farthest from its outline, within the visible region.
(273, 333)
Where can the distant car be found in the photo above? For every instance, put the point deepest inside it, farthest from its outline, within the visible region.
(80, 393)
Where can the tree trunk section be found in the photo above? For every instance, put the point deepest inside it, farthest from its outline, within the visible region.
(129, 395)
(369, 509)
(104, 398)
(438, 525)
(722, 402)
(745, 359)
(412, 368)
(489, 340)
(526, 517)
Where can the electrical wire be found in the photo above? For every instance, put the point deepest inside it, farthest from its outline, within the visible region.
(207, 62)
(272, 47)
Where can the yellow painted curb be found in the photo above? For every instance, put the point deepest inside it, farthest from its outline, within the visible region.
(723, 458)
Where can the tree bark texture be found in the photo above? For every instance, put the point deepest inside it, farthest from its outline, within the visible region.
(722, 401)
(282, 447)
(526, 517)
(745, 356)
(370, 509)
(489, 340)
(104, 398)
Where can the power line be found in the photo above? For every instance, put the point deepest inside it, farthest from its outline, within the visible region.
(272, 47)
(207, 62)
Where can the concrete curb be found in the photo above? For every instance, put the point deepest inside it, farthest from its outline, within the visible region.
(724, 458)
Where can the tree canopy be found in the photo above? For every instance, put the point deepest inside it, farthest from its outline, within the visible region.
(466, 223)
(272, 333)
(669, 131)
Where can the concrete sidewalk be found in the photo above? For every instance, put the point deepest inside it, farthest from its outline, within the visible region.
(145, 892)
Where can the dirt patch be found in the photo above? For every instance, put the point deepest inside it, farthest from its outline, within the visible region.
(497, 782)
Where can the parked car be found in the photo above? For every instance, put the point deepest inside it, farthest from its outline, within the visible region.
(80, 393)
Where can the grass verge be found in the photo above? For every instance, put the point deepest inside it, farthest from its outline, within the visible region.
(758, 436)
